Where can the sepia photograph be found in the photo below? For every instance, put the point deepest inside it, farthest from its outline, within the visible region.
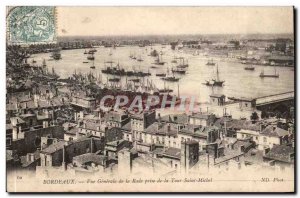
(150, 99)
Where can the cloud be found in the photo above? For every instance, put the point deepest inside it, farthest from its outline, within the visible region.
(64, 31)
(86, 20)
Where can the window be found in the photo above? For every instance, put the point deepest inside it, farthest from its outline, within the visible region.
(8, 141)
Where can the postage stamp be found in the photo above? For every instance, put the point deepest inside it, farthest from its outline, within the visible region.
(31, 25)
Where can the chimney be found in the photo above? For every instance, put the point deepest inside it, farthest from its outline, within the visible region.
(17, 105)
(169, 127)
(266, 150)
(30, 157)
(81, 114)
(64, 164)
(75, 116)
(92, 145)
(175, 118)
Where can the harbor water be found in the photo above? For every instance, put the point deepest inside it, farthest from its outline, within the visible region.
(238, 81)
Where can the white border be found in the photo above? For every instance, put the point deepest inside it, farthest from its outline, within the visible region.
(5, 3)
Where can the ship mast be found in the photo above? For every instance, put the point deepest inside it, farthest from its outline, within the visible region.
(218, 73)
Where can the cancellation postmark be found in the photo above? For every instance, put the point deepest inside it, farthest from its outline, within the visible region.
(31, 25)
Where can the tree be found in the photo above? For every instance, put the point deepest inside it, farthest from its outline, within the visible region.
(264, 114)
(254, 117)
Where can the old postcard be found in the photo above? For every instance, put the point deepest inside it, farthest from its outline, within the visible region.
(150, 99)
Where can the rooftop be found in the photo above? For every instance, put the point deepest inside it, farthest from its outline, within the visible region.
(172, 152)
(274, 131)
(281, 153)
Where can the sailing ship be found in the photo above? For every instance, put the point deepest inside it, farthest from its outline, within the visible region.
(249, 67)
(182, 63)
(53, 75)
(159, 61)
(113, 70)
(275, 75)
(211, 62)
(178, 70)
(140, 59)
(174, 60)
(44, 63)
(196, 53)
(215, 82)
(93, 65)
(170, 78)
(91, 57)
(132, 56)
(153, 53)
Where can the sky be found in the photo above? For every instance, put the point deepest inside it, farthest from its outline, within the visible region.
(105, 21)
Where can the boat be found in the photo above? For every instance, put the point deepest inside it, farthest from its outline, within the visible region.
(215, 82)
(93, 66)
(182, 63)
(196, 53)
(153, 53)
(161, 75)
(114, 80)
(159, 61)
(132, 56)
(53, 75)
(165, 90)
(178, 70)
(140, 74)
(211, 62)
(85, 62)
(140, 59)
(91, 57)
(92, 51)
(113, 70)
(85, 52)
(275, 75)
(44, 63)
(136, 80)
(170, 78)
(250, 67)
(56, 54)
